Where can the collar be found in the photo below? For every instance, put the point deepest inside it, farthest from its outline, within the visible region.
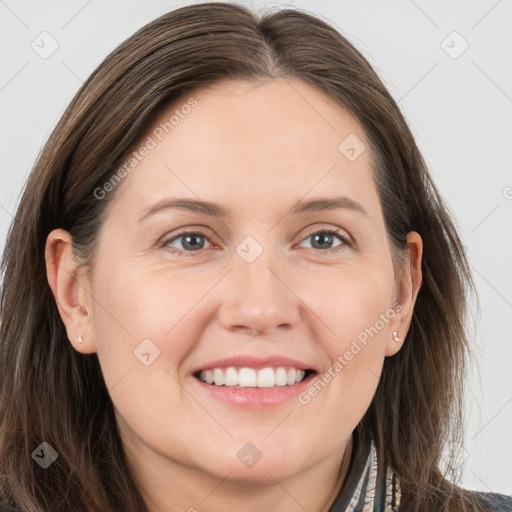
(367, 488)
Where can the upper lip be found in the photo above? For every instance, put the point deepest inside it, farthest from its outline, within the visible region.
(254, 362)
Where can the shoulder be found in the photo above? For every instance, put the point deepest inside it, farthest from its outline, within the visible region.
(491, 501)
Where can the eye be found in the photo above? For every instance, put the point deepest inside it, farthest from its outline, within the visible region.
(187, 242)
(324, 238)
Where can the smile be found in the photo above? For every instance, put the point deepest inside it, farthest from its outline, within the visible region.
(246, 377)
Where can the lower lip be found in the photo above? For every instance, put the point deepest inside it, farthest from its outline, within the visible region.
(254, 397)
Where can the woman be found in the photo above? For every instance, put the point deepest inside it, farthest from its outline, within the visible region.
(232, 285)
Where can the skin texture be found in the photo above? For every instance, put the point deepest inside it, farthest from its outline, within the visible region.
(257, 150)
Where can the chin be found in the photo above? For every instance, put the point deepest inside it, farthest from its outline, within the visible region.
(263, 471)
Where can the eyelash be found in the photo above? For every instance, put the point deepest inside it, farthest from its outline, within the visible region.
(331, 231)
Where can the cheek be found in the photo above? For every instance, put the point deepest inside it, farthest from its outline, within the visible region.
(135, 320)
(358, 312)
(135, 315)
(139, 304)
(354, 303)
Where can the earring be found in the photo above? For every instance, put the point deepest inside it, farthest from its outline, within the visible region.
(396, 337)
(79, 339)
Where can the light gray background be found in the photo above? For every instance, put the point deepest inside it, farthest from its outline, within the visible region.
(458, 108)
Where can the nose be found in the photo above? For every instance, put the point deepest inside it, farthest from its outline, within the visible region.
(258, 298)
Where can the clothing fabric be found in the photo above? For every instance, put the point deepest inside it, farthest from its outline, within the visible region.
(368, 489)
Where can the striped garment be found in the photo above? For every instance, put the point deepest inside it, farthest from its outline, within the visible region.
(366, 490)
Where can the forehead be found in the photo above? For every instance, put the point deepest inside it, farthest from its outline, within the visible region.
(288, 117)
(280, 135)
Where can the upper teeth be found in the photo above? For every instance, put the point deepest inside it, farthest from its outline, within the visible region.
(251, 378)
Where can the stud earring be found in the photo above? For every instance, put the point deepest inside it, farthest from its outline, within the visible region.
(79, 339)
(396, 337)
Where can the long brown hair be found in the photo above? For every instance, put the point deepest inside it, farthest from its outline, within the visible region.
(52, 393)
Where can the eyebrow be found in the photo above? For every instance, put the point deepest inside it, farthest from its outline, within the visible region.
(216, 210)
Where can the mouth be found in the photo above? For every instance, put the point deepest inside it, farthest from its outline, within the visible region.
(247, 377)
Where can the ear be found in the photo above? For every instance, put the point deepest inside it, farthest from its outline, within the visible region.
(71, 290)
(408, 288)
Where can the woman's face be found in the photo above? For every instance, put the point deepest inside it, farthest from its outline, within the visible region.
(242, 281)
